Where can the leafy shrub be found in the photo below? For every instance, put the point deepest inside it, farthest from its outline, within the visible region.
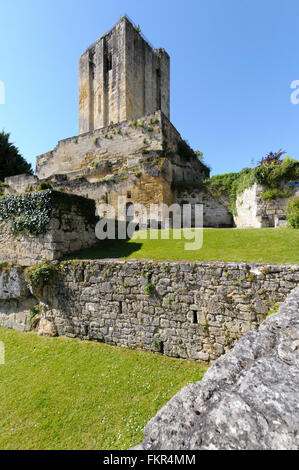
(293, 212)
(41, 273)
(269, 175)
(44, 186)
(273, 175)
(270, 194)
(28, 212)
(273, 158)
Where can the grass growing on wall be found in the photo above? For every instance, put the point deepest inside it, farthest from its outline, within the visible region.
(248, 245)
(58, 393)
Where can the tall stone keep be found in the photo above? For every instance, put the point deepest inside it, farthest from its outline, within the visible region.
(122, 77)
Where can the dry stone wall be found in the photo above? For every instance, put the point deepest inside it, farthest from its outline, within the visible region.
(215, 208)
(71, 227)
(248, 399)
(186, 310)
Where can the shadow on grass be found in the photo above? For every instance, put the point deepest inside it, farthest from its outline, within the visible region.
(107, 249)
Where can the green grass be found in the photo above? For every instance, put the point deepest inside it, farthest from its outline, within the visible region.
(59, 393)
(248, 245)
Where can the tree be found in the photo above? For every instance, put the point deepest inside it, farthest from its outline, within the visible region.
(273, 158)
(11, 161)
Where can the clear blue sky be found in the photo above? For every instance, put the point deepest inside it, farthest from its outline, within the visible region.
(232, 63)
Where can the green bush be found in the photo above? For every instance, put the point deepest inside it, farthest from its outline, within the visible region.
(273, 175)
(44, 186)
(270, 194)
(270, 176)
(293, 212)
(41, 273)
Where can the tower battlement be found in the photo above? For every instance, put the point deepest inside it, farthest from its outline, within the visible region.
(122, 77)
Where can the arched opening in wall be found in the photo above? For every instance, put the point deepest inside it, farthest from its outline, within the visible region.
(130, 212)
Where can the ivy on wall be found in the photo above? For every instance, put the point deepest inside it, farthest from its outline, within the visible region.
(28, 213)
(31, 212)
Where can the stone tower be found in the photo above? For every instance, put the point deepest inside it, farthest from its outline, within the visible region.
(122, 77)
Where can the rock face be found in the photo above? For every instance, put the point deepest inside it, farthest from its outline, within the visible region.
(255, 211)
(247, 400)
(16, 300)
(46, 328)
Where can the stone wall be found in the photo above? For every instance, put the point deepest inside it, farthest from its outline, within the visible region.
(247, 400)
(20, 184)
(102, 152)
(16, 300)
(255, 212)
(123, 149)
(215, 209)
(71, 227)
(186, 310)
(135, 160)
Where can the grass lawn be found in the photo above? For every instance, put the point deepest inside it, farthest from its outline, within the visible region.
(58, 393)
(248, 245)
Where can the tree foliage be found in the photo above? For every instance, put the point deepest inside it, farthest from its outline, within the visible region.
(273, 158)
(293, 212)
(11, 161)
(270, 175)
